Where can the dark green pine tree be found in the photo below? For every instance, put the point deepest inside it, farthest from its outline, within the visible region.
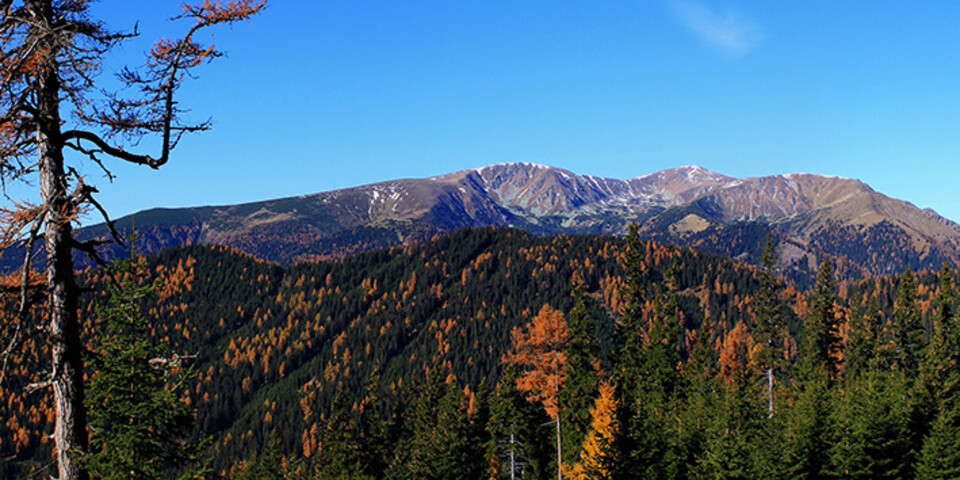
(872, 424)
(341, 456)
(744, 440)
(629, 368)
(909, 346)
(862, 350)
(821, 331)
(440, 446)
(478, 416)
(269, 465)
(940, 379)
(769, 324)
(139, 424)
(735, 447)
(513, 450)
(630, 328)
(909, 334)
(580, 388)
(940, 455)
(701, 401)
(937, 381)
(808, 436)
(378, 432)
(657, 450)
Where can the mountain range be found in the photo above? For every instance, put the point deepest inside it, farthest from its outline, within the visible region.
(812, 217)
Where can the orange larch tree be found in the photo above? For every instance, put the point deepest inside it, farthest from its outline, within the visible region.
(54, 111)
(542, 350)
(597, 456)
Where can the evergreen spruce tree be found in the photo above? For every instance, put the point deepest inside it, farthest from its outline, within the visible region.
(940, 455)
(630, 328)
(862, 350)
(909, 347)
(580, 388)
(377, 430)
(701, 400)
(938, 379)
(439, 447)
(478, 416)
(512, 450)
(630, 344)
(821, 341)
(340, 457)
(735, 446)
(938, 390)
(769, 324)
(872, 424)
(139, 424)
(909, 334)
(659, 394)
(270, 465)
(809, 432)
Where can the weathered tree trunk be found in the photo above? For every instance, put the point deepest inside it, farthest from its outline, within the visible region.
(70, 429)
(770, 392)
(559, 451)
(513, 463)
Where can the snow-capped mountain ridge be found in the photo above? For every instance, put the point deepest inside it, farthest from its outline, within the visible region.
(817, 216)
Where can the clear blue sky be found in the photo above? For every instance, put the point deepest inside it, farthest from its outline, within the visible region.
(323, 94)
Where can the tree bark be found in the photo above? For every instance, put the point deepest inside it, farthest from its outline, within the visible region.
(770, 392)
(559, 451)
(70, 428)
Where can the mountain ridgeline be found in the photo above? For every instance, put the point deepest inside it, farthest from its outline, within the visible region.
(390, 363)
(813, 217)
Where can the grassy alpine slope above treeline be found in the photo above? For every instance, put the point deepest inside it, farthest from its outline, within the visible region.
(389, 364)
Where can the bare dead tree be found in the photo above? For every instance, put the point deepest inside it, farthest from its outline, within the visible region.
(53, 109)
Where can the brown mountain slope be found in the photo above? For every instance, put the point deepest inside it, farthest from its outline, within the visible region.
(814, 217)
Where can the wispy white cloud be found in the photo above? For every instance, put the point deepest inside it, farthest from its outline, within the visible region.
(729, 32)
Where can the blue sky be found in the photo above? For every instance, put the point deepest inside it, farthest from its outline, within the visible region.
(319, 95)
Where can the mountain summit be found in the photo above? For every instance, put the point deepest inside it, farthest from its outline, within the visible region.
(814, 217)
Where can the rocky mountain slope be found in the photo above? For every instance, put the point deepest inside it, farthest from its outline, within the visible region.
(813, 217)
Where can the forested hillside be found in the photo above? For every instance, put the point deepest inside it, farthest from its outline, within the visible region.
(418, 362)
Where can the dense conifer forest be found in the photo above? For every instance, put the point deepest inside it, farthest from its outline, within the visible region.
(492, 353)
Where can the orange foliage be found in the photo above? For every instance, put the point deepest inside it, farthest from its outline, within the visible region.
(541, 350)
(735, 353)
(595, 455)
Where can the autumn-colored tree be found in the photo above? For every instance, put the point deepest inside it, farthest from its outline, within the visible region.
(735, 361)
(598, 455)
(53, 102)
(542, 350)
